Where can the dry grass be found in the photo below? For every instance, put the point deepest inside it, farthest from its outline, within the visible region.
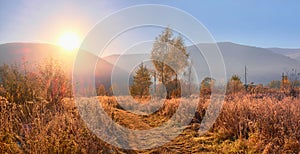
(246, 125)
(265, 124)
(35, 127)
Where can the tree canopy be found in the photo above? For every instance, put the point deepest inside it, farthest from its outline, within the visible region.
(170, 58)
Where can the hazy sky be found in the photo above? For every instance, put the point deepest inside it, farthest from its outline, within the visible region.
(265, 23)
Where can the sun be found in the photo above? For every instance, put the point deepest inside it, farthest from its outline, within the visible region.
(70, 41)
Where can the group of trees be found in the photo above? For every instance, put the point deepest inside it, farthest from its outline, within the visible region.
(289, 81)
(20, 83)
(234, 85)
(170, 58)
(288, 84)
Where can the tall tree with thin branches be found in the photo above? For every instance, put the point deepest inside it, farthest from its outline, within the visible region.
(169, 57)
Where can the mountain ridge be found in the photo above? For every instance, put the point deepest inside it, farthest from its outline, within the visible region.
(263, 64)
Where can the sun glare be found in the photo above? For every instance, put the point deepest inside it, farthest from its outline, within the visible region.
(70, 41)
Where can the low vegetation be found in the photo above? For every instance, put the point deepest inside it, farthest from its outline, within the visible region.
(245, 125)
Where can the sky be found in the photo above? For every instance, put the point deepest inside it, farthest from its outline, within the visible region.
(263, 23)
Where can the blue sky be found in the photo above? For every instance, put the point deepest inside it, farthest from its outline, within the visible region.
(264, 23)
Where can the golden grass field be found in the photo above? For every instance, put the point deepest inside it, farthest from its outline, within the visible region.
(247, 124)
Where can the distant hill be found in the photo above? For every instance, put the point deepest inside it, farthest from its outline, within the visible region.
(36, 53)
(11, 53)
(103, 70)
(292, 53)
(128, 62)
(263, 65)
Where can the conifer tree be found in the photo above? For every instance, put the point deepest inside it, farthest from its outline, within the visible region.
(235, 84)
(101, 90)
(141, 82)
